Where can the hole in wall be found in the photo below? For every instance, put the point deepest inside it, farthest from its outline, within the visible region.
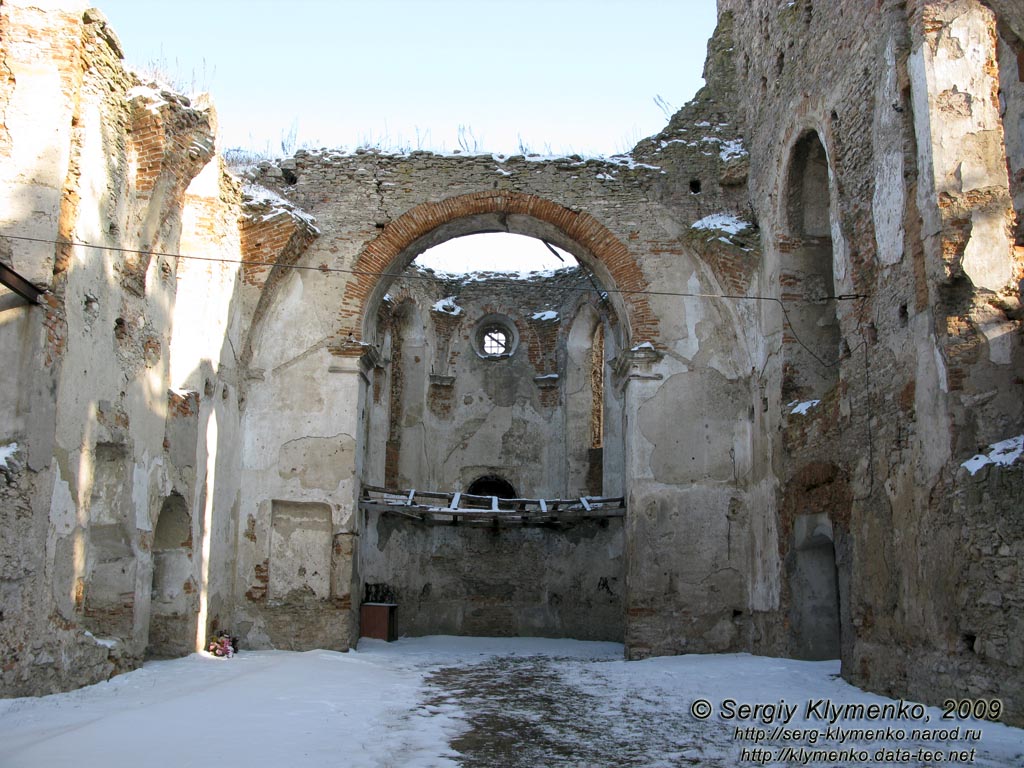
(492, 485)
(695, 186)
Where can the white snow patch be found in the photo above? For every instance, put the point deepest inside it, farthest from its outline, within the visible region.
(723, 222)
(804, 407)
(628, 162)
(262, 196)
(549, 314)
(732, 149)
(503, 172)
(447, 306)
(546, 376)
(106, 642)
(645, 345)
(1003, 454)
(6, 451)
(156, 100)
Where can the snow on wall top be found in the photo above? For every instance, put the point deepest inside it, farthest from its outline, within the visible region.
(1002, 454)
(723, 222)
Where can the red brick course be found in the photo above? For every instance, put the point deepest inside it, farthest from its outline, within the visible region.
(381, 254)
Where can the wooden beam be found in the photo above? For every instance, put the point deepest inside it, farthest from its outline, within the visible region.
(19, 285)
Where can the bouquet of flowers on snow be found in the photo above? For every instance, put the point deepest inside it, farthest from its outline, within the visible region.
(223, 644)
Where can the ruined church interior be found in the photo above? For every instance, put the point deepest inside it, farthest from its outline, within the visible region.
(769, 400)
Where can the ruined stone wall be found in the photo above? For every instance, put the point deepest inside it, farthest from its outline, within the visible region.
(904, 100)
(101, 446)
(691, 358)
(700, 542)
(834, 219)
(456, 414)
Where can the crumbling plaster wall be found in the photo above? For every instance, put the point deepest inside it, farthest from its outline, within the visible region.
(692, 579)
(930, 352)
(266, 435)
(452, 415)
(100, 441)
(462, 415)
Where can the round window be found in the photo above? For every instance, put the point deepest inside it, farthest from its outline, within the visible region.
(496, 340)
(495, 337)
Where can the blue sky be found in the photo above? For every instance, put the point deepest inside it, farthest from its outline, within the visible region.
(558, 76)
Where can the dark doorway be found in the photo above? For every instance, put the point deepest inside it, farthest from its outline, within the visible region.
(492, 485)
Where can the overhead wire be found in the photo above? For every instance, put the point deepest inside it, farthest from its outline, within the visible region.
(602, 292)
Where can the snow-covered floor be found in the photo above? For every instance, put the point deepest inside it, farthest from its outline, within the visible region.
(443, 701)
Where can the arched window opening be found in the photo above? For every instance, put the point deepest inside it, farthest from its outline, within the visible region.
(173, 526)
(811, 336)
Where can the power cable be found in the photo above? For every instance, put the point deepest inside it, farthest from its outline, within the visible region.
(511, 284)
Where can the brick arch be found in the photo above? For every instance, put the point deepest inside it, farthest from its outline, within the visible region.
(395, 248)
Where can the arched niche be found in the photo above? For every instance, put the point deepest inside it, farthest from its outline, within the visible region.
(811, 334)
(405, 381)
(814, 616)
(492, 485)
(173, 604)
(586, 396)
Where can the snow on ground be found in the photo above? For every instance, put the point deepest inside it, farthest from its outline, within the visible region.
(444, 701)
